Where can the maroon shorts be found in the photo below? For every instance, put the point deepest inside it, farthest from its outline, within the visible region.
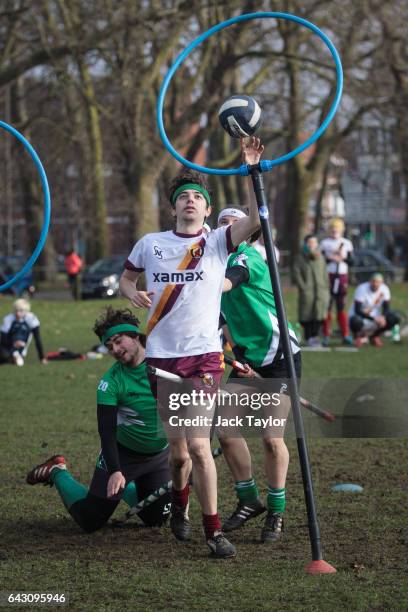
(338, 289)
(204, 370)
(202, 376)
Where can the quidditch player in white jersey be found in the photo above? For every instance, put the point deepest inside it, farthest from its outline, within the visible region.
(337, 251)
(184, 272)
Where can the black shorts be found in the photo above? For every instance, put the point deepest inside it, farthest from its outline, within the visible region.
(149, 472)
(276, 371)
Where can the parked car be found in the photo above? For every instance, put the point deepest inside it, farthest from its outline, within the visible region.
(101, 279)
(9, 266)
(368, 261)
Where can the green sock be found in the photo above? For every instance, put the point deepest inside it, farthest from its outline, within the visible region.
(69, 489)
(276, 499)
(130, 494)
(246, 490)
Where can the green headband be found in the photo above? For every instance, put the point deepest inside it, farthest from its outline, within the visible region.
(119, 329)
(194, 186)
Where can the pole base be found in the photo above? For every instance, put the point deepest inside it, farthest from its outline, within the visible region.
(320, 567)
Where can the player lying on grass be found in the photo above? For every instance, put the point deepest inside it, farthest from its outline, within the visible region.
(134, 449)
(248, 308)
(184, 273)
(370, 314)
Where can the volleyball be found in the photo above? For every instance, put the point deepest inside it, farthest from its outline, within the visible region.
(240, 116)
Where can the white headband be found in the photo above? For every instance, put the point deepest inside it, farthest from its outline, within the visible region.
(231, 212)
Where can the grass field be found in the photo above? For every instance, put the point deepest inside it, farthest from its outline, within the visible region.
(49, 409)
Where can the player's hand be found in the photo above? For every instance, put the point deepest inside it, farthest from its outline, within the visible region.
(380, 320)
(141, 299)
(19, 344)
(116, 482)
(249, 372)
(251, 150)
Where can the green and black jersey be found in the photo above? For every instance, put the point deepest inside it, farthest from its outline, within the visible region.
(250, 312)
(138, 423)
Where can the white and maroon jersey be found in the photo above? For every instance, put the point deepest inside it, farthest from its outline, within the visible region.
(372, 301)
(186, 273)
(330, 246)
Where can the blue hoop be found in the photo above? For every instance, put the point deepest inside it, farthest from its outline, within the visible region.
(265, 164)
(47, 206)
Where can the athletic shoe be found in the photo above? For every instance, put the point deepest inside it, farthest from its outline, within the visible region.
(42, 472)
(325, 341)
(348, 341)
(376, 341)
(314, 342)
(273, 527)
(180, 524)
(18, 359)
(220, 547)
(244, 512)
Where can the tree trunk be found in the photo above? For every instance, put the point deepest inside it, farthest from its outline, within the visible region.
(97, 237)
(33, 208)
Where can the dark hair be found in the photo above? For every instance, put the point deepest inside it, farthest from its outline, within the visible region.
(185, 177)
(111, 317)
(306, 238)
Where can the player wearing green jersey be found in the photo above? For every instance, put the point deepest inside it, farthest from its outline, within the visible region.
(133, 461)
(248, 307)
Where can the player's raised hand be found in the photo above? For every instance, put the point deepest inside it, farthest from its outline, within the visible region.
(141, 299)
(251, 150)
(116, 482)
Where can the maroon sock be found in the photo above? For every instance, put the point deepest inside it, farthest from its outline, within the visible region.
(343, 322)
(211, 523)
(180, 498)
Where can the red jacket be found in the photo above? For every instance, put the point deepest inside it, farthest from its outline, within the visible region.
(73, 263)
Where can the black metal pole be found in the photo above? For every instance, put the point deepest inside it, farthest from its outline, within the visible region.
(314, 530)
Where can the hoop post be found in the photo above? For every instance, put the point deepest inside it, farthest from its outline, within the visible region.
(313, 523)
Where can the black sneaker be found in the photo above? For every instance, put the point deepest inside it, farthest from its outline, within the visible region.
(220, 547)
(180, 524)
(244, 512)
(273, 527)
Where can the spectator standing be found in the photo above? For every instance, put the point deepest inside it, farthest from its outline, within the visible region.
(73, 266)
(311, 278)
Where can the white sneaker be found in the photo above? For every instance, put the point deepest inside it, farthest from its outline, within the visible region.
(18, 359)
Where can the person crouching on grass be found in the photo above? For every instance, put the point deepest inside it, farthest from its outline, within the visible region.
(134, 458)
(370, 314)
(16, 332)
(184, 273)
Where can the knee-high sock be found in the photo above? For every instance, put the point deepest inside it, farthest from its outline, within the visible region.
(343, 323)
(130, 494)
(69, 489)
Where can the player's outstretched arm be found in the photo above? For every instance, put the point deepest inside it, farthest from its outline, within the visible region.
(127, 286)
(242, 229)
